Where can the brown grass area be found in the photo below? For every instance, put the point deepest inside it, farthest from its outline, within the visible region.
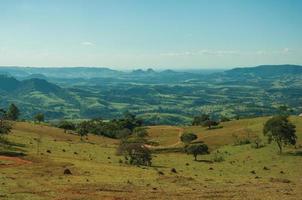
(98, 174)
(165, 135)
(13, 161)
(59, 134)
(223, 136)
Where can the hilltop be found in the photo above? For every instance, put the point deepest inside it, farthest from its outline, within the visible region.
(97, 173)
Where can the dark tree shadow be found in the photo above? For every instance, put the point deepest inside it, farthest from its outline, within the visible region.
(12, 153)
(295, 153)
(4, 141)
(13, 149)
(158, 166)
(205, 161)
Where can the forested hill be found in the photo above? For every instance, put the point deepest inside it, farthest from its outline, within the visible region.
(159, 97)
(11, 85)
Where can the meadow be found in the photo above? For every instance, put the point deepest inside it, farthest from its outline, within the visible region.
(41, 155)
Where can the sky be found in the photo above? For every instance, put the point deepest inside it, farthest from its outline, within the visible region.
(127, 34)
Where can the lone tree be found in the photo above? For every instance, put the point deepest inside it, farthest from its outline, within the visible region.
(197, 149)
(280, 130)
(39, 117)
(187, 138)
(83, 128)
(5, 126)
(204, 120)
(136, 153)
(13, 112)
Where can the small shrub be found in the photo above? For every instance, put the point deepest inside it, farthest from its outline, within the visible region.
(257, 143)
(173, 170)
(160, 173)
(243, 140)
(218, 157)
(67, 172)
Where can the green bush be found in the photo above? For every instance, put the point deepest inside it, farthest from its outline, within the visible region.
(257, 143)
(218, 157)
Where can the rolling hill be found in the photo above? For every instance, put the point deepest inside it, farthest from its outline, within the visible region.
(97, 172)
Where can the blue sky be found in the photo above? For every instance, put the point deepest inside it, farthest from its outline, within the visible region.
(126, 34)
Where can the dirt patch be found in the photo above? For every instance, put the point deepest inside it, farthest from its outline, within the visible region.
(279, 180)
(13, 161)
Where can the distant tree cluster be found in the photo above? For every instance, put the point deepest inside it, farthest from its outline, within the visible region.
(116, 128)
(204, 120)
(66, 125)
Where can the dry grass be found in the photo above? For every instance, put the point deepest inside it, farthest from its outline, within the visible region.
(165, 135)
(97, 173)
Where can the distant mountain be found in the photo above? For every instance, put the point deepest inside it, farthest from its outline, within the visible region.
(267, 70)
(11, 85)
(171, 97)
(60, 72)
(40, 85)
(35, 95)
(147, 72)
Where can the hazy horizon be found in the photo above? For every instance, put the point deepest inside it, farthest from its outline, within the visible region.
(131, 34)
(146, 68)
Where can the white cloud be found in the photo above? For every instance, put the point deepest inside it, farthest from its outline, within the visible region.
(87, 43)
(227, 52)
(286, 50)
(202, 52)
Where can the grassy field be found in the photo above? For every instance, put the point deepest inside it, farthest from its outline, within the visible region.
(245, 173)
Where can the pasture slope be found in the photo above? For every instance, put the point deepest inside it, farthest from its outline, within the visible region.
(33, 167)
